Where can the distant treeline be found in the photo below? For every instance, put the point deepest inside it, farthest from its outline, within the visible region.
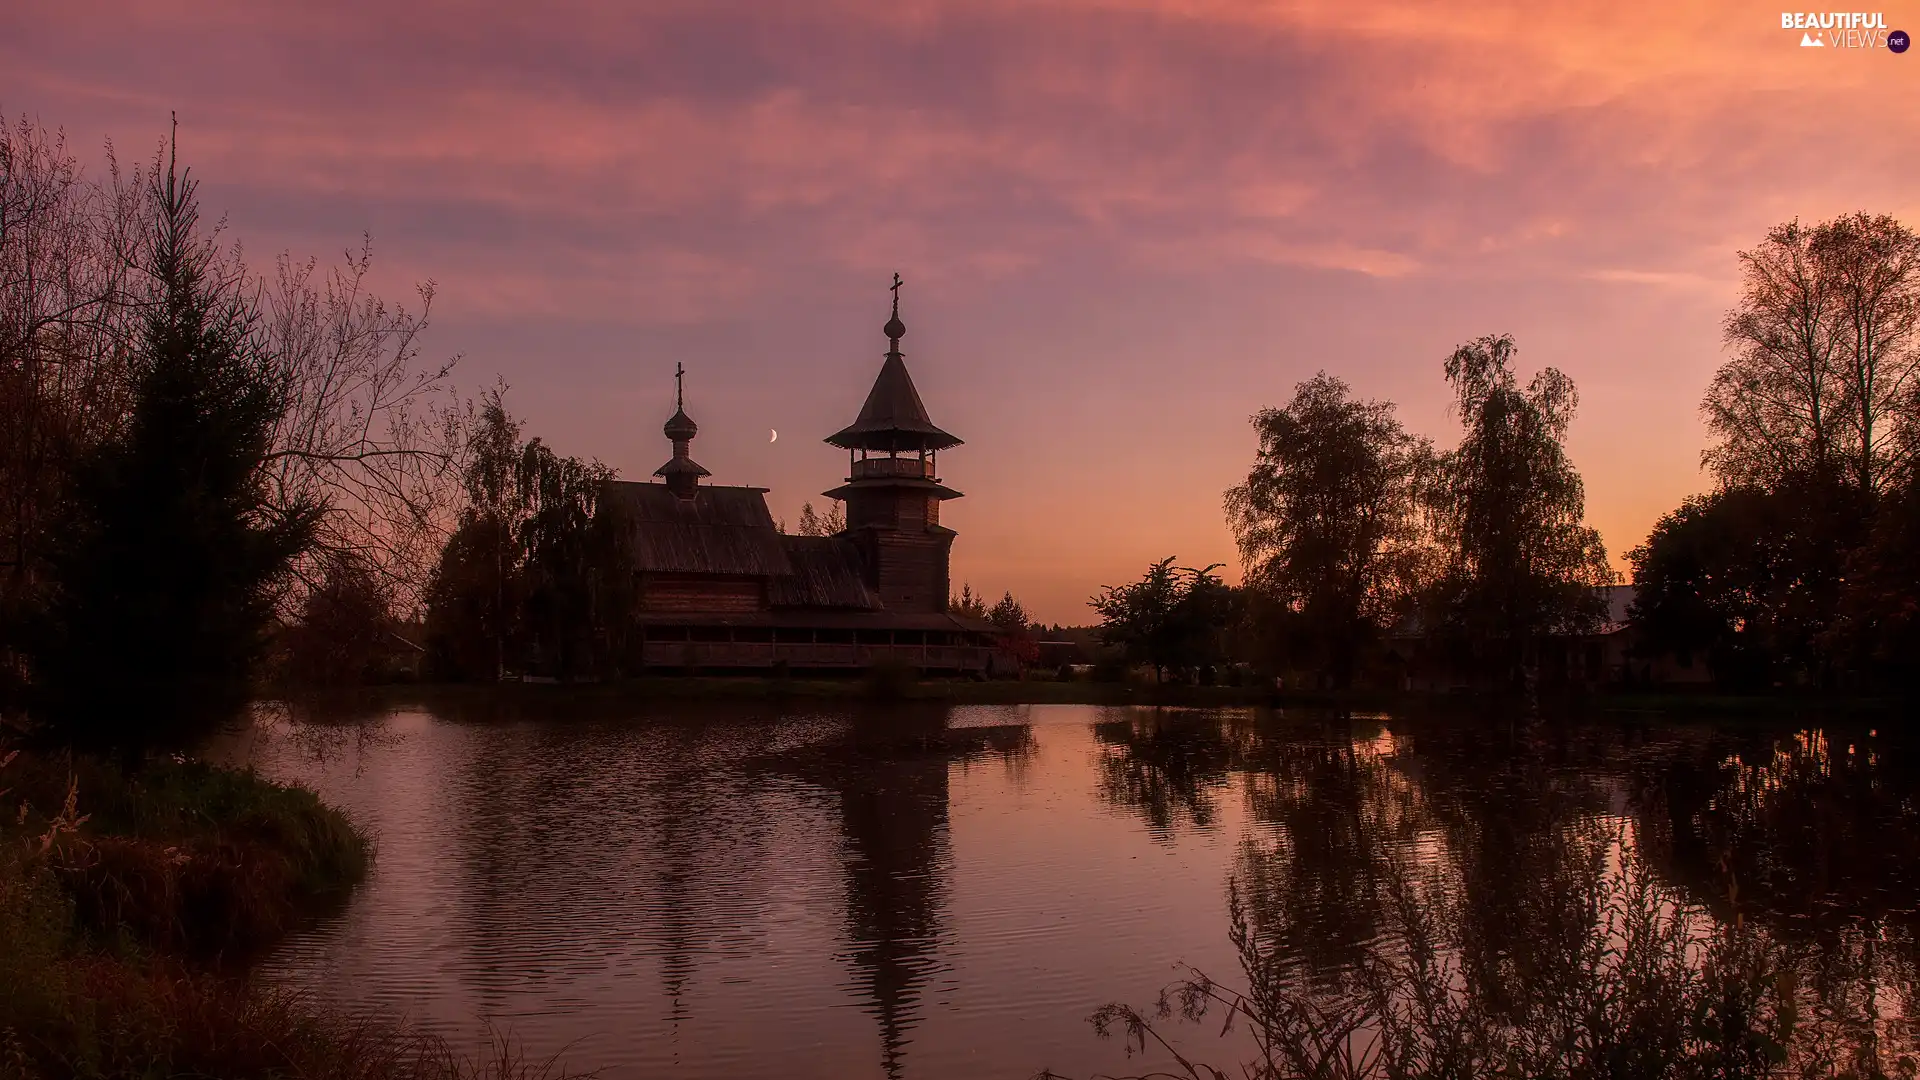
(1349, 526)
(1801, 567)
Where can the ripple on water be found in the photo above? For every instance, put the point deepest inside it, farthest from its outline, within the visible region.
(744, 894)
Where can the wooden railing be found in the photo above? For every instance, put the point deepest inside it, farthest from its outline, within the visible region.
(890, 467)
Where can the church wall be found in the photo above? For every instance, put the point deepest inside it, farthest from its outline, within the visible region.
(868, 509)
(912, 570)
(701, 592)
(910, 509)
(892, 508)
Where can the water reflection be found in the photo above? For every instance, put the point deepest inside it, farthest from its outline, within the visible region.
(1170, 765)
(1334, 812)
(888, 769)
(736, 890)
(1512, 848)
(1814, 830)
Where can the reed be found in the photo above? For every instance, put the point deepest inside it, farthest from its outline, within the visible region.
(1652, 988)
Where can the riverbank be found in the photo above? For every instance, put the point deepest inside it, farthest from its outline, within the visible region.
(1616, 702)
(130, 903)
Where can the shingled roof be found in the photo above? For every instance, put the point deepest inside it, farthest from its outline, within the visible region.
(720, 530)
(893, 417)
(827, 573)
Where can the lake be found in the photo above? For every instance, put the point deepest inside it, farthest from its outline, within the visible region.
(868, 890)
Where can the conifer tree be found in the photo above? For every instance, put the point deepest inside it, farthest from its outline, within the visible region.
(173, 553)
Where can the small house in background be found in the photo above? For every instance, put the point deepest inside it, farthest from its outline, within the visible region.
(403, 650)
(720, 587)
(1058, 654)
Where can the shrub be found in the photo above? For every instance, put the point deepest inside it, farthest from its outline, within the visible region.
(890, 679)
(102, 913)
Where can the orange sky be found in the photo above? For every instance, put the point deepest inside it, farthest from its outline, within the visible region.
(1125, 225)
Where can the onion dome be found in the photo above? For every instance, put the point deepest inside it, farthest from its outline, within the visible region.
(681, 472)
(680, 427)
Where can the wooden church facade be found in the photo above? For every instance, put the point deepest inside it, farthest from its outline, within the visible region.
(722, 588)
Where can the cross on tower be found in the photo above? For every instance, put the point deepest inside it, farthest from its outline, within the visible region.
(896, 292)
(679, 386)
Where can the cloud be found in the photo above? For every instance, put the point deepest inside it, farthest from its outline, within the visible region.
(666, 166)
(1666, 279)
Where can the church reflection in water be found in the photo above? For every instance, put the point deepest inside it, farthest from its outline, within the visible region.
(671, 870)
(711, 891)
(890, 773)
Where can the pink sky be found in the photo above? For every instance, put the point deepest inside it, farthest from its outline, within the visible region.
(1125, 225)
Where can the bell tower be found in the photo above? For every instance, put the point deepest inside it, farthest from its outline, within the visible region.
(893, 491)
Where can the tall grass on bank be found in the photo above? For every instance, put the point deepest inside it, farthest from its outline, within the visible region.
(182, 857)
(1647, 988)
(126, 897)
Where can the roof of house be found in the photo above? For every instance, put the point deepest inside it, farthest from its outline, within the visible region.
(893, 418)
(931, 487)
(1619, 608)
(827, 573)
(720, 530)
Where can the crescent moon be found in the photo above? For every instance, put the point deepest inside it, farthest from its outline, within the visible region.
(776, 435)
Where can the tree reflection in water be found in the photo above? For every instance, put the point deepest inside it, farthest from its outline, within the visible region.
(1442, 898)
(1168, 766)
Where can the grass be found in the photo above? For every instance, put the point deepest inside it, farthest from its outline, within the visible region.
(886, 686)
(129, 900)
(182, 857)
(897, 686)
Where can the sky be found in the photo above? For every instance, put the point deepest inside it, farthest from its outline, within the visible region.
(1125, 226)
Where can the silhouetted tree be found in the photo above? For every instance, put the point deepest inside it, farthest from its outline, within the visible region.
(1877, 627)
(575, 564)
(1171, 619)
(1747, 577)
(1015, 629)
(474, 595)
(1008, 614)
(1507, 509)
(69, 316)
(816, 524)
(471, 601)
(538, 572)
(368, 430)
(355, 432)
(342, 627)
(1820, 389)
(1327, 519)
(174, 553)
(1816, 419)
(966, 604)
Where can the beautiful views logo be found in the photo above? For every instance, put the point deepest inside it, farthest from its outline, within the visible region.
(1844, 30)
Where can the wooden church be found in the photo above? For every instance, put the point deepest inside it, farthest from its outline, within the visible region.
(722, 588)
